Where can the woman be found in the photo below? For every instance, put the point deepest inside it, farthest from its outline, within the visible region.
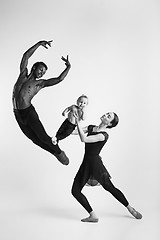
(93, 168)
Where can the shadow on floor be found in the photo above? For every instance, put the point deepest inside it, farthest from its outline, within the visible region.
(53, 212)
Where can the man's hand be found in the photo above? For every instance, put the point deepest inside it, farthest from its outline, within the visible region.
(46, 43)
(67, 63)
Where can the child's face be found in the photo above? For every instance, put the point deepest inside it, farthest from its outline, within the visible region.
(83, 102)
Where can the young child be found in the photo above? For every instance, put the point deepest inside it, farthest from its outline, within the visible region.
(69, 124)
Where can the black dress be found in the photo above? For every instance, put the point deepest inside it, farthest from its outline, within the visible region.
(92, 171)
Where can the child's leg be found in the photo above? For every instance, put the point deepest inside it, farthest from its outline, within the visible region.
(65, 130)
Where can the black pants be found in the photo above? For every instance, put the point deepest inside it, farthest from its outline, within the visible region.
(65, 130)
(32, 127)
(106, 183)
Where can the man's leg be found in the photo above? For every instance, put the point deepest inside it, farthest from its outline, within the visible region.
(38, 135)
(35, 124)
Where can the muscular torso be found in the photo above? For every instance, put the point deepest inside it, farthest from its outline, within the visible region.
(24, 90)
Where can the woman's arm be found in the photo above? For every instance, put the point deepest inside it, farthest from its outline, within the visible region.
(91, 138)
(84, 129)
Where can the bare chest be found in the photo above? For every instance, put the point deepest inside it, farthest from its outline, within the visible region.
(30, 89)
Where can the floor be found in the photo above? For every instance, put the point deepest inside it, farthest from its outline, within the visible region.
(27, 217)
(36, 202)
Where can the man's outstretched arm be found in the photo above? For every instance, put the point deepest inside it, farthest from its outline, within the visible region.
(30, 51)
(52, 81)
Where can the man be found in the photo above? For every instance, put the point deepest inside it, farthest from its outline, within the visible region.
(26, 87)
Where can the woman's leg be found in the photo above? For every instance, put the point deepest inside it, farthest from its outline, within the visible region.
(76, 192)
(108, 186)
(80, 180)
(78, 184)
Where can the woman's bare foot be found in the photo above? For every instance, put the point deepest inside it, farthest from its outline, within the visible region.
(135, 213)
(92, 218)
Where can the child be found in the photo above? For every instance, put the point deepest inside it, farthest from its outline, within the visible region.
(69, 124)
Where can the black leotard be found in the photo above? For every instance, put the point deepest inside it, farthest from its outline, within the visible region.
(92, 171)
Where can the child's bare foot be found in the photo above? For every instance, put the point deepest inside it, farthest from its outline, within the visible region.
(54, 140)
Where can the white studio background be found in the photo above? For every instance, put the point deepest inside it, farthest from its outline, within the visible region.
(114, 50)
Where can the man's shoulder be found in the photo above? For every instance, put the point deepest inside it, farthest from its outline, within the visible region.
(24, 73)
(23, 76)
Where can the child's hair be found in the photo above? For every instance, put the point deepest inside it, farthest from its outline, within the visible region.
(82, 96)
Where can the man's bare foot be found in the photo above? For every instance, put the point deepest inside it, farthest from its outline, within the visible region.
(62, 158)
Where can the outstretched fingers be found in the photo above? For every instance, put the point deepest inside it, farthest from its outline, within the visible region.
(67, 63)
(65, 59)
(49, 42)
(46, 43)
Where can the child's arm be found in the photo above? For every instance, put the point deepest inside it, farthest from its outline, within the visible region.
(83, 116)
(65, 111)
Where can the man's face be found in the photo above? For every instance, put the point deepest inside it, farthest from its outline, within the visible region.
(40, 71)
